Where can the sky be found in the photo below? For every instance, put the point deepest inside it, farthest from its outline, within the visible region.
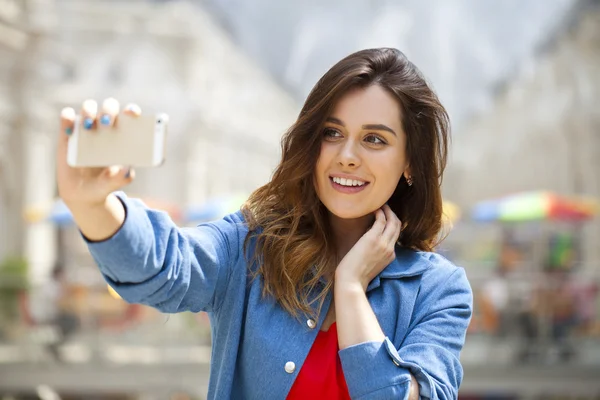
(464, 47)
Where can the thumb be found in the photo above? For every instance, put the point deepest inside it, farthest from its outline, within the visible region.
(117, 177)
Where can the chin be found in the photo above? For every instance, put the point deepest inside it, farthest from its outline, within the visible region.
(349, 212)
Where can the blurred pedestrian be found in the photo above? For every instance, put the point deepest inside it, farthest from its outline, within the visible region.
(324, 284)
(496, 295)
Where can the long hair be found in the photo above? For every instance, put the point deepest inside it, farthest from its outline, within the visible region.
(294, 250)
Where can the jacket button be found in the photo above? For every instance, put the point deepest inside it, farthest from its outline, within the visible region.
(311, 323)
(290, 367)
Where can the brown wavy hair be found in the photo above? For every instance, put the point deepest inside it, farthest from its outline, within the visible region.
(294, 246)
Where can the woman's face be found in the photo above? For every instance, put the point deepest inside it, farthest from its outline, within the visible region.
(363, 153)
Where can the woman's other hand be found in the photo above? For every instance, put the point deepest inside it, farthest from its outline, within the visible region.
(374, 251)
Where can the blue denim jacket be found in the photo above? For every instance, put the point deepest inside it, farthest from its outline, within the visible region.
(422, 301)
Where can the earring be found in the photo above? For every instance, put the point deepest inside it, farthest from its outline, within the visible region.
(409, 180)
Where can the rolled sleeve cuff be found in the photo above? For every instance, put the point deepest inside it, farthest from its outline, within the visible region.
(117, 250)
(371, 367)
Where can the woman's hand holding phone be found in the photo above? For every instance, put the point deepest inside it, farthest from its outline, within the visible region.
(81, 185)
(87, 191)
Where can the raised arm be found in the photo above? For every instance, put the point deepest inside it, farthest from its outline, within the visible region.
(141, 253)
(151, 261)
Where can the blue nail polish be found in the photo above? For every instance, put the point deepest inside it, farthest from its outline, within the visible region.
(88, 123)
(128, 174)
(105, 119)
(69, 131)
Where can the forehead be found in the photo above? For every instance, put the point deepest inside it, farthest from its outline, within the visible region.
(370, 105)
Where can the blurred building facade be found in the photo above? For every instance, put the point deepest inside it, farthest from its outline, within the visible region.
(226, 115)
(542, 132)
(13, 53)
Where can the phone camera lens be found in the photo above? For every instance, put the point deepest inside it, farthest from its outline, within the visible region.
(159, 121)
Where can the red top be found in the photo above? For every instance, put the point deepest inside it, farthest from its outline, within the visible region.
(321, 376)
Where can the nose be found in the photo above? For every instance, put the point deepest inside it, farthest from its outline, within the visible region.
(348, 156)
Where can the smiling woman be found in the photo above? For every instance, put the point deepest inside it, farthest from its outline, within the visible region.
(371, 118)
(324, 285)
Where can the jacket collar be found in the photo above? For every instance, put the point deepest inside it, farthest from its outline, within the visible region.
(407, 263)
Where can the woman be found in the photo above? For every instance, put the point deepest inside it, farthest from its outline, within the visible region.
(315, 289)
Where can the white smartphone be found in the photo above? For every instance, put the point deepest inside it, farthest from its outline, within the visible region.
(133, 142)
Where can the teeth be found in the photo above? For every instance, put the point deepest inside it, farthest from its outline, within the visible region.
(348, 182)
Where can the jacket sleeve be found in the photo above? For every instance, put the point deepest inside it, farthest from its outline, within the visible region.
(430, 351)
(151, 261)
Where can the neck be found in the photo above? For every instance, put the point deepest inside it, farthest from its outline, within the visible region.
(347, 232)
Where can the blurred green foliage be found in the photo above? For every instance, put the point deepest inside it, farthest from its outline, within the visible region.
(13, 282)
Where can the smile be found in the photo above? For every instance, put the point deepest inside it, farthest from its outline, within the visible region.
(346, 185)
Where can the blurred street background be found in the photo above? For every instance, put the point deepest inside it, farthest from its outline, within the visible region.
(521, 80)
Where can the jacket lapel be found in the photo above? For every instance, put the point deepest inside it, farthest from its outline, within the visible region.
(407, 263)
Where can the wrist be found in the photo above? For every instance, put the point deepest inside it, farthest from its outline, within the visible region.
(98, 222)
(349, 282)
(87, 205)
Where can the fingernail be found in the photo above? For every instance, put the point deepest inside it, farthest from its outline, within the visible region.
(68, 113)
(110, 105)
(128, 173)
(105, 119)
(69, 130)
(134, 108)
(88, 123)
(90, 107)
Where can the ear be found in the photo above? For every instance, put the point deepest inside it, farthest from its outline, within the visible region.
(408, 176)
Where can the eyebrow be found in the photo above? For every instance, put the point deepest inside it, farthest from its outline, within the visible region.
(375, 127)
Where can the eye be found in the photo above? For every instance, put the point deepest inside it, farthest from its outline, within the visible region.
(330, 133)
(374, 139)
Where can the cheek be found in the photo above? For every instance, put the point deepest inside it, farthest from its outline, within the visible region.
(389, 177)
(322, 162)
(319, 171)
(388, 188)
(391, 188)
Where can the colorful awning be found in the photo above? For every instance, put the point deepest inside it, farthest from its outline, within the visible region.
(537, 206)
